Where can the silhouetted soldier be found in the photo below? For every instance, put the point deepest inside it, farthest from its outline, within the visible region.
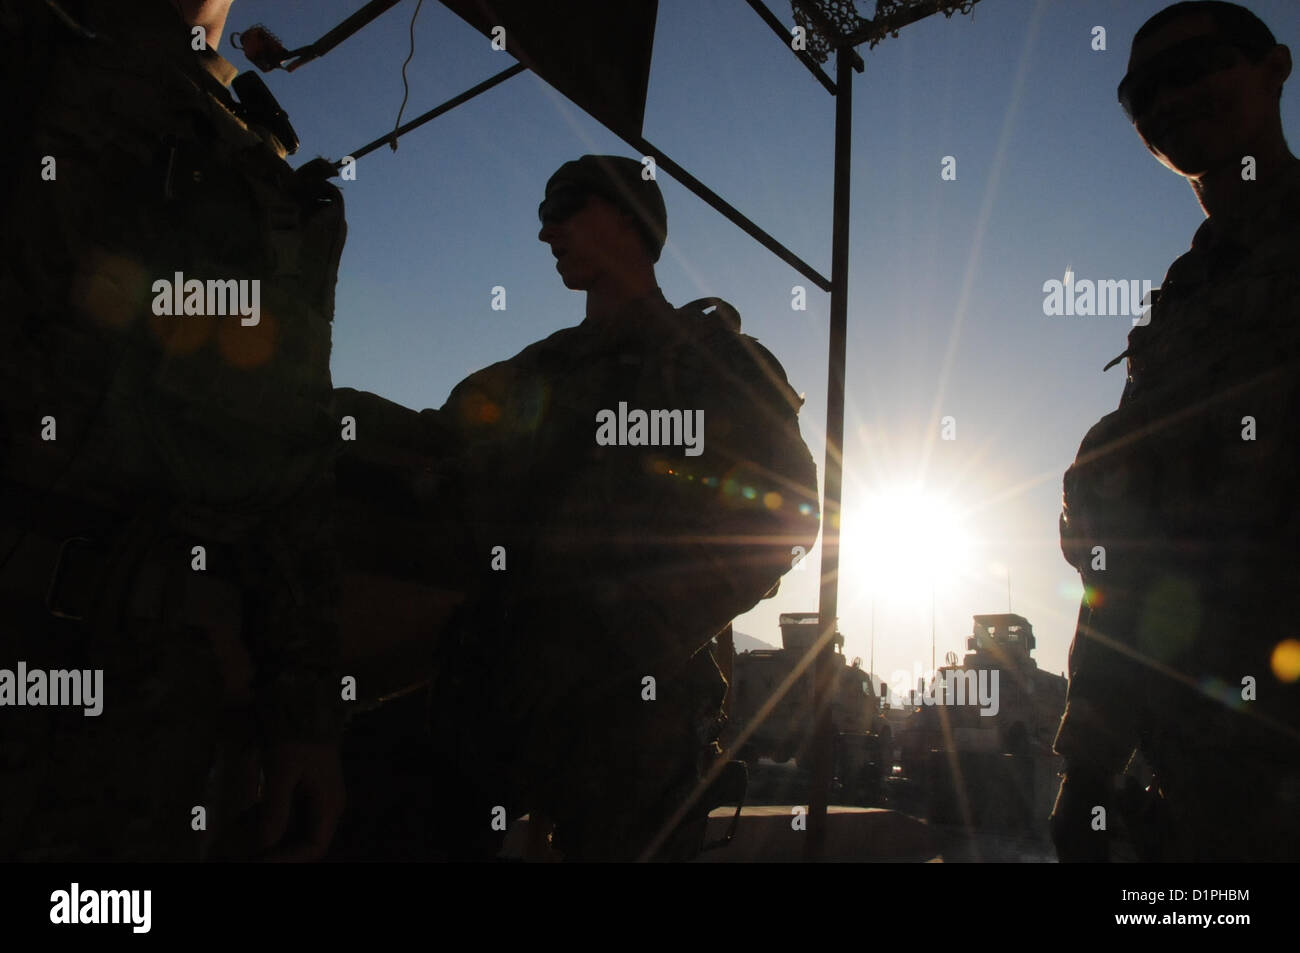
(1179, 509)
(578, 683)
(141, 421)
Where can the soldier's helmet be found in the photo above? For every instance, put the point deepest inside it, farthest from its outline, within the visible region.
(617, 179)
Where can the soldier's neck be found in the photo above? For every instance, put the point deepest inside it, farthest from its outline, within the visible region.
(615, 295)
(1224, 193)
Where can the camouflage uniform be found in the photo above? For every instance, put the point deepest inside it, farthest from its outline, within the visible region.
(1200, 529)
(621, 562)
(172, 432)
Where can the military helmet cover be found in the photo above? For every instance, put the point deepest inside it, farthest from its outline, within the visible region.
(620, 181)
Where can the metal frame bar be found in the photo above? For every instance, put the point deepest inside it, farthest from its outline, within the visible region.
(828, 602)
(828, 28)
(703, 192)
(645, 147)
(363, 17)
(436, 111)
(803, 56)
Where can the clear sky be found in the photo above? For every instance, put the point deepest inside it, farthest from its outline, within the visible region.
(946, 296)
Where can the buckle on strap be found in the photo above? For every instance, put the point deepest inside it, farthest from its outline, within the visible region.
(71, 579)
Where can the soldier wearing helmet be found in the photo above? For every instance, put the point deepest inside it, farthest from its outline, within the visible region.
(619, 552)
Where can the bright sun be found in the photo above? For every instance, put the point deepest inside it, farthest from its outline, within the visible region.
(910, 539)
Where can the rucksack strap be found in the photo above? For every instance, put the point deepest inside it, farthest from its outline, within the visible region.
(722, 311)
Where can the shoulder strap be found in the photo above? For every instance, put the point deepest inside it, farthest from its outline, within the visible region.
(722, 311)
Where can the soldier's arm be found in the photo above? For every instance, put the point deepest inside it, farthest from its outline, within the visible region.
(293, 637)
(1104, 498)
(293, 640)
(1104, 524)
(293, 632)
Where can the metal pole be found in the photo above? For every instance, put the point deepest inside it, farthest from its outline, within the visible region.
(828, 606)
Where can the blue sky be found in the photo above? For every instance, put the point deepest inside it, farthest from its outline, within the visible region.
(945, 303)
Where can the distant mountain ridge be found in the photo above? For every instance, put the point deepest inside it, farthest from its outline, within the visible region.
(747, 643)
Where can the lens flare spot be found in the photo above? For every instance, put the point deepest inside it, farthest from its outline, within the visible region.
(181, 335)
(480, 411)
(111, 289)
(1072, 591)
(243, 345)
(772, 500)
(749, 493)
(1221, 692)
(1286, 660)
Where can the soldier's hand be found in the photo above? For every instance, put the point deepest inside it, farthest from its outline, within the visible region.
(302, 801)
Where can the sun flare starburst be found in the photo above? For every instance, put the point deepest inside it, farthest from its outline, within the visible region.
(911, 541)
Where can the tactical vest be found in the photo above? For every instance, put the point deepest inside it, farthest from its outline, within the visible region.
(623, 560)
(614, 535)
(130, 167)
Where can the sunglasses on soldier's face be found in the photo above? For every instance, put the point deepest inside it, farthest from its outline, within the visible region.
(1181, 65)
(561, 205)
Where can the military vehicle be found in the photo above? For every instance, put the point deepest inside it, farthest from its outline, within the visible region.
(975, 747)
(770, 711)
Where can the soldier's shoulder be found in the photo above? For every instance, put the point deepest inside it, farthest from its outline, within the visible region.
(720, 322)
(532, 359)
(710, 315)
(715, 326)
(551, 344)
(539, 356)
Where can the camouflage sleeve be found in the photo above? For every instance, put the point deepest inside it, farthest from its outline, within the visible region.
(296, 641)
(296, 645)
(293, 632)
(484, 435)
(1105, 509)
(1099, 728)
(497, 406)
